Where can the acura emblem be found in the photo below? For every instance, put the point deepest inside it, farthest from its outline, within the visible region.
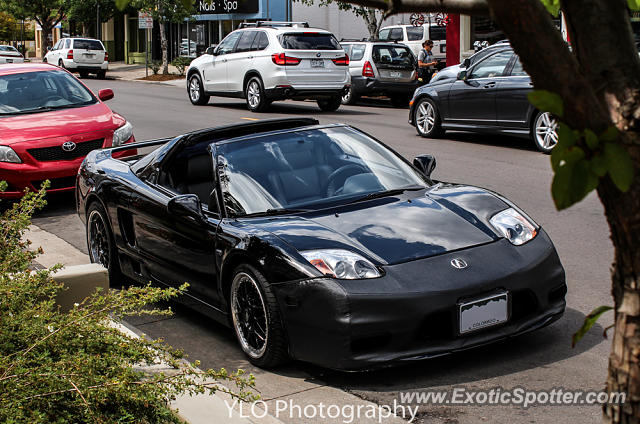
(458, 263)
(68, 146)
(318, 54)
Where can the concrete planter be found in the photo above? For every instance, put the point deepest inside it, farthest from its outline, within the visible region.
(81, 281)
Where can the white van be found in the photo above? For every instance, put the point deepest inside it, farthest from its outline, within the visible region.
(414, 36)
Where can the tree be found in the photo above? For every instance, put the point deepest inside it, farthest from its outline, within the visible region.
(7, 26)
(163, 11)
(47, 13)
(84, 11)
(595, 93)
(372, 16)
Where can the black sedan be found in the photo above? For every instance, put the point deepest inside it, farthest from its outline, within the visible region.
(319, 243)
(489, 96)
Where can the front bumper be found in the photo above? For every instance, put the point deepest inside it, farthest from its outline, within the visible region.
(373, 87)
(411, 312)
(283, 92)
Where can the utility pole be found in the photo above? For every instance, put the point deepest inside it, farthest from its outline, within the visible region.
(98, 19)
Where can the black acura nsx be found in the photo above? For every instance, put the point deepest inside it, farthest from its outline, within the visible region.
(320, 243)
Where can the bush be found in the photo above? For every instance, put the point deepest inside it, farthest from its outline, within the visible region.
(155, 66)
(181, 63)
(75, 367)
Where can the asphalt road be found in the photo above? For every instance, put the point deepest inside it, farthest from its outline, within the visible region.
(538, 361)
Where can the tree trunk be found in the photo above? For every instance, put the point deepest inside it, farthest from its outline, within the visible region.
(163, 46)
(44, 38)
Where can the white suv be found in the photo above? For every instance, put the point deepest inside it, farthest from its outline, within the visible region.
(266, 61)
(83, 55)
(414, 36)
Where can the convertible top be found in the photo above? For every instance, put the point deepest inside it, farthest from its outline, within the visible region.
(225, 132)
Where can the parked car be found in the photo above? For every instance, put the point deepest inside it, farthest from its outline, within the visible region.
(49, 121)
(267, 61)
(380, 69)
(83, 55)
(188, 48)
(414, 36)
(320, 243)
(9, 54)
(451, 72)
(489, 96)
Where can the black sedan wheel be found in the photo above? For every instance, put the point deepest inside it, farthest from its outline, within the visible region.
(256, 98)
(196, 91)
(331, 104)
(427, 119)
(100, 243)
(256, 318)
(545, 132)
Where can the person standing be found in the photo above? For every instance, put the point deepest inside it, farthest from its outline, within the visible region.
(426, 62)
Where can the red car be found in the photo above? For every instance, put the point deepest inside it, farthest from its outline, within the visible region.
(49, 121)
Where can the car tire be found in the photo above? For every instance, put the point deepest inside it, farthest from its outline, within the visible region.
(255, 318)
(101, 74)
(44, 60)
(427, 119)
(195, 90)
(331, 104)
(101, 244)
(544, 132)
(350, 98)
(60, 64)
(255, 95)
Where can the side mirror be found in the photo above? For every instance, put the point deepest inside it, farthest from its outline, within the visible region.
(466, 63)
(105, 94)
(187, 206)
(211, 50)
(462, 76)
(425, 163)
(48, 48)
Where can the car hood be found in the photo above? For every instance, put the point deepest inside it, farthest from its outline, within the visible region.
(57, 123)
(397, 229)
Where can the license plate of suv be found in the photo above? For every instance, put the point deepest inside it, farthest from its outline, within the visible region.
(485, 312)
(395, 74)
(317, 63)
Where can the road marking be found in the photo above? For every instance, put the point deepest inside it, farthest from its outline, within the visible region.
(251, 119)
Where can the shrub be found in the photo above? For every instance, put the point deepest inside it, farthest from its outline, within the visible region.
(155, 66)
(75, 367)
(181, 63)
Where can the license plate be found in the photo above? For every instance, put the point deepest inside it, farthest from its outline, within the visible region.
(483, 313)
(395, 74)
(317, 63)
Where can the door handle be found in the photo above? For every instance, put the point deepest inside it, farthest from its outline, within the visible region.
(224, 60)
(250, 57)
(489, 85)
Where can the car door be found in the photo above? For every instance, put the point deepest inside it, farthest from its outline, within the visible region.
(512, 105)
(175, 249)
(239, 61)
(54, 53)
(214, 72)
(472, 101)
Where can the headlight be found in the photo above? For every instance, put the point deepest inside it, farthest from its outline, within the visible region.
(8, 155)
(513, 226)
(341, 264)
(122, 134)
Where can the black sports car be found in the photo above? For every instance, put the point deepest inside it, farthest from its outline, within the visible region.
(319, 243)
(489, 95)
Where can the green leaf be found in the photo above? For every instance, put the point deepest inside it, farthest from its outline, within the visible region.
(553, 6)
(598, 165)
(611, 133)
(619, 165)
(122, 4)
(634, 4)
(591, 139)
(589, 320)
(546, 101)
(565, 183)
(566, 139)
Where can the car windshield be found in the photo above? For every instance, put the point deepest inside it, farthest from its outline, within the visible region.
(309, 169)
(309, 41)
(87, 44)
(33, 92)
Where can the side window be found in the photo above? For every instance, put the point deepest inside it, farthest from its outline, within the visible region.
(517, 70)
(261, 41)
(57, 45)
(227, 45)
(396, 34)
(67, 43)
(357, 52)
(415, 33)
(245, 42)
(492, 66)
(384, 34)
